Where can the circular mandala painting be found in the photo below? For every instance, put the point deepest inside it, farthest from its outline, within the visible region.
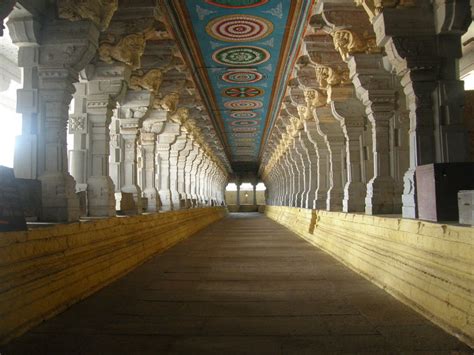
(244, 129)
(243, 114)
(239, 28)
(241, 56)
(242, 76)
(243, 135)
(237, 4)
(242, 92)
(244, 123)
(243, 104)
(245, 140)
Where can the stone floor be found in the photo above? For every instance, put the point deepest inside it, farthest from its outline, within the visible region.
(244, 285)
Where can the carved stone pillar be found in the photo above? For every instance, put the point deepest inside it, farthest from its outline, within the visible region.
(129, 132)
(379, 102)
(202, 180)
(191, 160)
(303, 168)
(238, 193)
(194, 176)
(254, 190)
(117, 156)
(148, 141)
(422, 43)
(25, 32)
(153, 124)
(333, 138)
(349, 112)
(183, 157)
(320, 171)
(295, 160)
(131, 113)
(164, 142)
(79, 129)
(65, 49)
(311, 168)
(59, 200)
(175, 150)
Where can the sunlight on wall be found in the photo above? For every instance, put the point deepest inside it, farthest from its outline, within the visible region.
(10, 124)
(231, 187)
(245, 187)
(469, 81)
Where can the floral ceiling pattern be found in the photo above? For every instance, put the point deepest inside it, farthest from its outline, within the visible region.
(244, 49)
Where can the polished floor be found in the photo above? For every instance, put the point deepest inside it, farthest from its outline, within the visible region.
(244, 285)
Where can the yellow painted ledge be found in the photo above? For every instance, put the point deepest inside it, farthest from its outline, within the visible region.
(428, 266)
(44, 271)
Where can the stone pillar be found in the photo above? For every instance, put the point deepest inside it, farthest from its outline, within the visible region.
(303, 168)
(79, 128)
(100, 187)
(191, 160)
(41, 151)
(202, 180)
(148, 141)
(164, 142)
(56, 78)
(183, 157)
(131, 113)
(333, 139)
(117, 156)
(194, 178)
(238, 193)
(59, 201)
(379, 102)
(129, 132)
(153, 126)
(349, 112)
(294, 161)
(103, 91)
(319, 146)
(176, 150)
(430, 80)
(254, 186)
(25, 32)
(311, 168)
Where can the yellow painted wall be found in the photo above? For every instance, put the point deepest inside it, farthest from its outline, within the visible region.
(231, 197)
(428, 266)
(44, 271)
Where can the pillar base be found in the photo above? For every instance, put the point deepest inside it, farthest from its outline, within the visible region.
(101, 196)
(153, 200)
(137, 197)
(319, 204)
(166, 201)
(380, 196)
(334, 200)
(59, 200)
(409, 195)
(176, 199)
(354, 196)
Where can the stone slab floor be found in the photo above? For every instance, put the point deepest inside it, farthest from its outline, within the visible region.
(244, 285)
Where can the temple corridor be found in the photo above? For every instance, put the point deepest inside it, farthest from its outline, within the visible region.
(245, 284)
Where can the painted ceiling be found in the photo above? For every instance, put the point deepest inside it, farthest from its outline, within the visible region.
(241, 52)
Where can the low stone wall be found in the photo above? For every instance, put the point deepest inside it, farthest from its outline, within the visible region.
(428, 266)
(44, 271)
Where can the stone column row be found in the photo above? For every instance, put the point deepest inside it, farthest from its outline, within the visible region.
(117, 160)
